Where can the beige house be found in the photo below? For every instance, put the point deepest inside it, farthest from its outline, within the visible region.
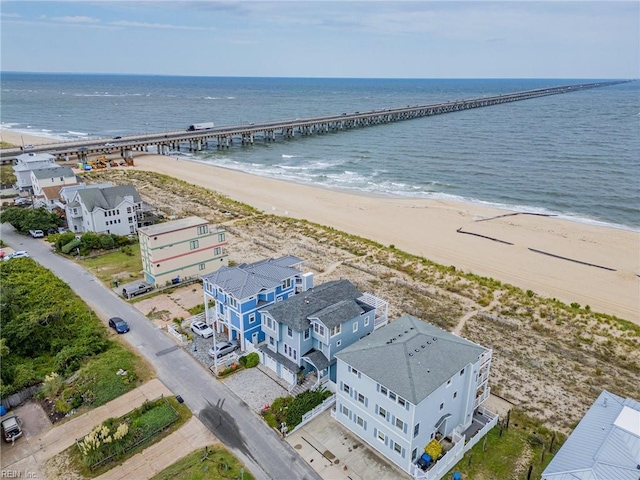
(181, 249)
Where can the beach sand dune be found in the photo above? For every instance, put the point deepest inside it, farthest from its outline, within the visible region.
(522, 250)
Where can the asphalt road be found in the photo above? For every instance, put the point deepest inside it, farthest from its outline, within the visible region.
(263, 452)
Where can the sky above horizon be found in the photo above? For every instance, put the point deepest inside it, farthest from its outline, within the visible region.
(307, 38)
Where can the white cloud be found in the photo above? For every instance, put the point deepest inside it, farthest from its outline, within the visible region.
(76, 19)
(126, 23)
(9, 15)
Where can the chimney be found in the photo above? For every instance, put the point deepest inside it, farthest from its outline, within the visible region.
(604, 401)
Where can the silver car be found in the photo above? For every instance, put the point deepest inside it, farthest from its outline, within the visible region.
(223, 348)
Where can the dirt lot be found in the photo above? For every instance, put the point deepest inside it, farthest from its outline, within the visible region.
(162, 309)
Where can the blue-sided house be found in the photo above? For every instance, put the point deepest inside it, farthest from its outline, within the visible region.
(304, 332)
(233, 296)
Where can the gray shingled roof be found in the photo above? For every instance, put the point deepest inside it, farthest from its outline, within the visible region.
(317, 358)
(249, 279)
(41, 173)
(411, 357)
(331, 302)
(107, 198)
(605, 445)
(284, 361)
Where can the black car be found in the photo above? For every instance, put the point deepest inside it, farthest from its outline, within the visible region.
(119, 325)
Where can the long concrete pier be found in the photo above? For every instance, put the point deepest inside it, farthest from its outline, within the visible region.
(248, 133)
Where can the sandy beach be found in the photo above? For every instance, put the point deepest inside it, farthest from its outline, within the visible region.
(600, 268)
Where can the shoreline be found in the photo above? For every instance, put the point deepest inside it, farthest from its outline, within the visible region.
(554, 257)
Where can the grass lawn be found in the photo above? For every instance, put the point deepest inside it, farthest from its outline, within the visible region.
(144, 423)
(115, 265)
(214, 463)
(510, 455)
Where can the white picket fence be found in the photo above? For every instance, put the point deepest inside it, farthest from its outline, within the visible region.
(311, 414)
(453, 456)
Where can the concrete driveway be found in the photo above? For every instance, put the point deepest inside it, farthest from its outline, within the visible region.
(335, 453)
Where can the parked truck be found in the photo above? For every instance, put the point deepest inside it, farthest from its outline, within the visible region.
(199, 126)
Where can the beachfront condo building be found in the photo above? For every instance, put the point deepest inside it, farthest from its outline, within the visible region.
(304, 332)
(234, 296)
(411, 383)
(103, 210)
(181, 249)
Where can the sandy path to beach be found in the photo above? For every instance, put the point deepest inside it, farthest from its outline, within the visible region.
(430, 228)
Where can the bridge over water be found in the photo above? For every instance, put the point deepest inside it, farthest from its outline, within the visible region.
(248, 133)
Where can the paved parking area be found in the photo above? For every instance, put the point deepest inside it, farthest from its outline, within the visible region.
(255, 387)
(335, 453)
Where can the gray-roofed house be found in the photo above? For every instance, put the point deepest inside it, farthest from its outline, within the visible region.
(604, 446)
(304, 332)
(241, 291)
(409, 383)
(43, 178)
(31, 161)
(104, 210)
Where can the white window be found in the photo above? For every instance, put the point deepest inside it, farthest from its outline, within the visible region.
(381, 436)
(361, 398)
(441, 405)
(399, 424)
(193, 244)
(233, 303)
(355, 327)
(201, 266)
(382, 412)
(354, 371)
(392, 396)
(366, 321)
(414, 454)
(221, 237)
(289, 332)
(402, 401)
(252, 317)
(286, 284)
(448, 383)
(397, 448)
(383, 390)
(346, 389)
(360, 421)
(202, 229)
(307, 334)
(455, 394)
(336, 330)
(462, 372)
(217, 251)
(416, 430)
(319, 329)
(345, 411)
(271, 342)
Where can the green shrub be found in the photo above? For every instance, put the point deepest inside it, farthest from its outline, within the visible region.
(252, 360)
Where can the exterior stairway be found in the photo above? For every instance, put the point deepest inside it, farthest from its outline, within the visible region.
(307, 383)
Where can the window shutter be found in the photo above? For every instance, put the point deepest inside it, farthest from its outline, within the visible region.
(405, 428)
(376, 409)
(366, 401)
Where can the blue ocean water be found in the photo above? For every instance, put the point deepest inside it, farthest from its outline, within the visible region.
(576, 155)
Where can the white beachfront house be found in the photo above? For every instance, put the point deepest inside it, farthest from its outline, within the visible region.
(27, 162)
(104, 210)
(604, 445)
(408, 383)
(304, 332)
(241, 291)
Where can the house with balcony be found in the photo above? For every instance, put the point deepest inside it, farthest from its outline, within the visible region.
(46, 184)
(409, 383)
(181, 249)
(604, 445)
(104, 210)
(238, 294)
(27, 162)
(304, 332)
